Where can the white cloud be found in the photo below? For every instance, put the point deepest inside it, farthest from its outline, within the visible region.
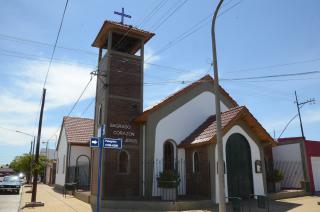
(149, 57)
(20, 101)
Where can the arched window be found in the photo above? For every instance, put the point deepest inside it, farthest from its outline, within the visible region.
(168, 156)
(123, 162)
(195, 160)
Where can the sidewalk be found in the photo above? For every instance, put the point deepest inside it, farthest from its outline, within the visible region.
(55, 202)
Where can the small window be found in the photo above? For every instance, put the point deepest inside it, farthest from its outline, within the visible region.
(123, 162)
(168, 156)
(195, 162)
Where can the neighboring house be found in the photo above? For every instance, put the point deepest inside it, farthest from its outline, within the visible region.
(299, 160)
(73, 152)
(50, 170)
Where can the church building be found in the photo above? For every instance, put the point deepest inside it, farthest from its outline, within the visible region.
(178, 134)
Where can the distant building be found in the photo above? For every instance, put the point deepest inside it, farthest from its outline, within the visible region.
(73, 152)
(49, 153)
(299, 160)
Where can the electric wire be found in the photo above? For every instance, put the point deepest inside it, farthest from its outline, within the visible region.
(164, 18)
(39, 43)
(75, 104)
(55, 43)
(200, 24)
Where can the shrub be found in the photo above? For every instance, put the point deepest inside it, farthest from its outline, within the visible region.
(168, 179)
(277, 175)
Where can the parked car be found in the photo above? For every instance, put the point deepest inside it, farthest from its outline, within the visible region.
(11, 183)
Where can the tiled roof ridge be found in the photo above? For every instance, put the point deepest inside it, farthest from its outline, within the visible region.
(211, 120)
(127, 25)
(180, 92)
(78, 128)
(75, 117)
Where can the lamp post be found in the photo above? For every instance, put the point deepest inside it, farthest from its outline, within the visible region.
(222, 201)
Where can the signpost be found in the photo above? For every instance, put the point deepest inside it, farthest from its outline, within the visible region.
(94, 142)
(112, 143)
(101, 142)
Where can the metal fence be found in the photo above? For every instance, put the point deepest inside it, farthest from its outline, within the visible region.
(292, 171)
(79, 174)
(191, 183)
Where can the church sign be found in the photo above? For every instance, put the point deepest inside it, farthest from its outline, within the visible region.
(124, 130)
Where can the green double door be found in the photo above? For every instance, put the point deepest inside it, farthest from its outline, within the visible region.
(239, 167)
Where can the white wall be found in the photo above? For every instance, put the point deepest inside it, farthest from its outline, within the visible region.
(76, 151)
(288, 152)
(181, 123)
(61, 159)
(258, 186)
(287, 158)
(184, 120)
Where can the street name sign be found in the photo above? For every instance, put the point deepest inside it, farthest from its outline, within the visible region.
(112, 143)
(94, 142)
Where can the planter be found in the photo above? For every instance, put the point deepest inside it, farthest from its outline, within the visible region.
(169, 194)
(277, 186)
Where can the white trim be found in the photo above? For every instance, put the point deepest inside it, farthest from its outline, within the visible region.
(257, 178)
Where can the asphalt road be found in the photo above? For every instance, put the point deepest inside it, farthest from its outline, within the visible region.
(9, 202)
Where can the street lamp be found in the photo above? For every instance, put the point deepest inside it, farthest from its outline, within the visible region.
(32, 142)
(222, 201)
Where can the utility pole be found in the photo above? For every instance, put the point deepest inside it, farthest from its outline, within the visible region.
(222, 201)
(36, 159)
(299, 105)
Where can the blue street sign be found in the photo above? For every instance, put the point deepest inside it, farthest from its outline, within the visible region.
(94, 142)
(112, 143)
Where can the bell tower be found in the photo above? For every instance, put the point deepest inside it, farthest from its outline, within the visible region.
(119, 99)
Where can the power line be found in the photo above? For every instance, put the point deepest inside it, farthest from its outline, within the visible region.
(178, 6)
(156, 9)
(274, 76)
(275, 65)
(39, 58)
(39, 43)
(75, 104)
(145, 19)
(55, 43)
(201, 23)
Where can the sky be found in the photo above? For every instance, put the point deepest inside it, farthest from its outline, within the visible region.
(254, 38)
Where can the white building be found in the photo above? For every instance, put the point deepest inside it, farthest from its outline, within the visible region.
(73, 152)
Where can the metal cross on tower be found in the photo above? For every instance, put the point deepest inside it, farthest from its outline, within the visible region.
(122, 14)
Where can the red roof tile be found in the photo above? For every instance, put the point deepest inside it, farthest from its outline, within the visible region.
(78, 130)
(206, 132)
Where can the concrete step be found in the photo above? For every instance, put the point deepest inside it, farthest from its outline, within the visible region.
(288, 194)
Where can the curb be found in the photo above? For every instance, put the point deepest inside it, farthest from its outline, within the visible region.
(22, 189)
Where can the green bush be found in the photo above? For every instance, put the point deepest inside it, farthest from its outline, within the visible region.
(277, 175)
(168, 179)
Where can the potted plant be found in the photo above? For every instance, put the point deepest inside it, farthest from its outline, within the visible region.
(277, 178)
(168, 181)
